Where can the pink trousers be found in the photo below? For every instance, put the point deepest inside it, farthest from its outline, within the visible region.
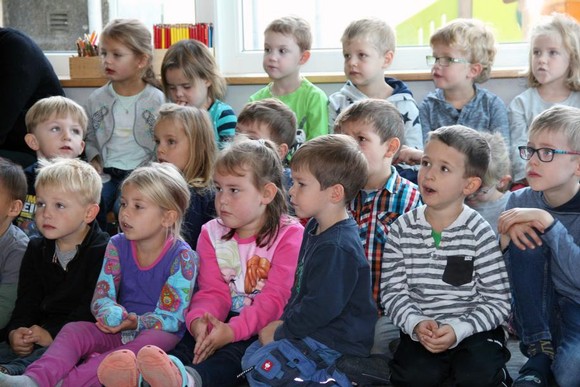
(79, 348)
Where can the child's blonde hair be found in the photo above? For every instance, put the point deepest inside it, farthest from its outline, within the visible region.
(57, 106)
(163, 184)
(499, 161)
(260, 159)
(133, 34)
(559, 119)
(568, 30)
(197, 63)
(279, 118)
(333, 159)
(294, 26)
(72, 176)
(199, 132)
(474, 39)
(376, 31)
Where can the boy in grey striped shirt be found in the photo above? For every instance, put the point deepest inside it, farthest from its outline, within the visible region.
(443, 280)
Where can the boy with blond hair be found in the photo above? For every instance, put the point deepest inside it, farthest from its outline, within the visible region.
(56, 128)
(287, 43)
(368, 46)
(13, 241)
(463, 54)
(378, 127)
(59, 270)
(540, 234)
(330, 312)
(444, 281)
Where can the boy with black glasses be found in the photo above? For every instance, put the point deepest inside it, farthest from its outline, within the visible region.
(540, 237)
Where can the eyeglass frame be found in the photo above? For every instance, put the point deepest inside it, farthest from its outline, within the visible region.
(553, 152)
(447, 60)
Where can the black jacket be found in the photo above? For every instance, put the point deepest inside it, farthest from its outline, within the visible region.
(50, 296)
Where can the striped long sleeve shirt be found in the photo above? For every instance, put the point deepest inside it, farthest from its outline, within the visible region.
(374, 211)
(462, 283)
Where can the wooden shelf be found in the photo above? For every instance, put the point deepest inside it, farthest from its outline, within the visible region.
(262, 79)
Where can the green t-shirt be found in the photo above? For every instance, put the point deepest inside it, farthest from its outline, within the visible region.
(308, 102)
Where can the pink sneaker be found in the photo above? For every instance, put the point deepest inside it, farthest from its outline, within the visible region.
(119, 369)
(160, 369)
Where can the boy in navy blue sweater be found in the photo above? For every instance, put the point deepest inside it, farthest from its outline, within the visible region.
(331, 312)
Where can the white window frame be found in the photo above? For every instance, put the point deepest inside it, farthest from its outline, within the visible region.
(233, 60)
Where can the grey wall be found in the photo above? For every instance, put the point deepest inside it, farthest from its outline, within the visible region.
(237, 96)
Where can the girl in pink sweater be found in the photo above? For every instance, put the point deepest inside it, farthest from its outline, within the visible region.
(248, 257)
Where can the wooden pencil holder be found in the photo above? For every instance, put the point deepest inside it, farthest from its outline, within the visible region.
(85, 67)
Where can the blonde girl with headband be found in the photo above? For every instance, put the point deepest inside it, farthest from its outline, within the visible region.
(142, 293)
(553, 79)
(122, 113)
(248, 259)
(184, 137)
(191, 77)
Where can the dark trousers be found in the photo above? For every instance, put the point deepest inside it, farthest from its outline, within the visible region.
(479, 360)
(220, 369)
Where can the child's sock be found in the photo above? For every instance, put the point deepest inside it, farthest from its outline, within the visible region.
(542, 346)
(16, 381)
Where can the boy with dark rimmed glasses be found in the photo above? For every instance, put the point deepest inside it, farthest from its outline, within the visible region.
(540, 237)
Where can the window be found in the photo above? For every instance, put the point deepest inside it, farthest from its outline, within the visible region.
(58, 23)
(240, 25)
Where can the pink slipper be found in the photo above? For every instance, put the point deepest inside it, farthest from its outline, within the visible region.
(119, 369)
(159, 369)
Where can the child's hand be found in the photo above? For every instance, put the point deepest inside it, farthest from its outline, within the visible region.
(409, 156)
(266, 335)
(199, 329)
(128, 323)
(20, 341)
(96, 163)
(221, 335)
(425, 328)
(540, 219)
(441, 340)
(40, 336)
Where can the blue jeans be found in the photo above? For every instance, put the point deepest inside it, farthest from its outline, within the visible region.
(535, 308)
(14, 364)
(566, 365)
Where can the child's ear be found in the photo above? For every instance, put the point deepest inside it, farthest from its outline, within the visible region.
(337, 193)
(393, 145)
(143, 61)
(304, 57)
(388, 58)
(91, 213)
(31, 141)
(283, 150)
(473, 184)
(15, 208)
(504, 183)
(169, 218)
(474, 70)
(269, 193)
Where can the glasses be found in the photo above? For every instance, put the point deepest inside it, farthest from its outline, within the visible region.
(443, 61)
(544, 154)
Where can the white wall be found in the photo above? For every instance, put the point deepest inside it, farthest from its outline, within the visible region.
(238, 95)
